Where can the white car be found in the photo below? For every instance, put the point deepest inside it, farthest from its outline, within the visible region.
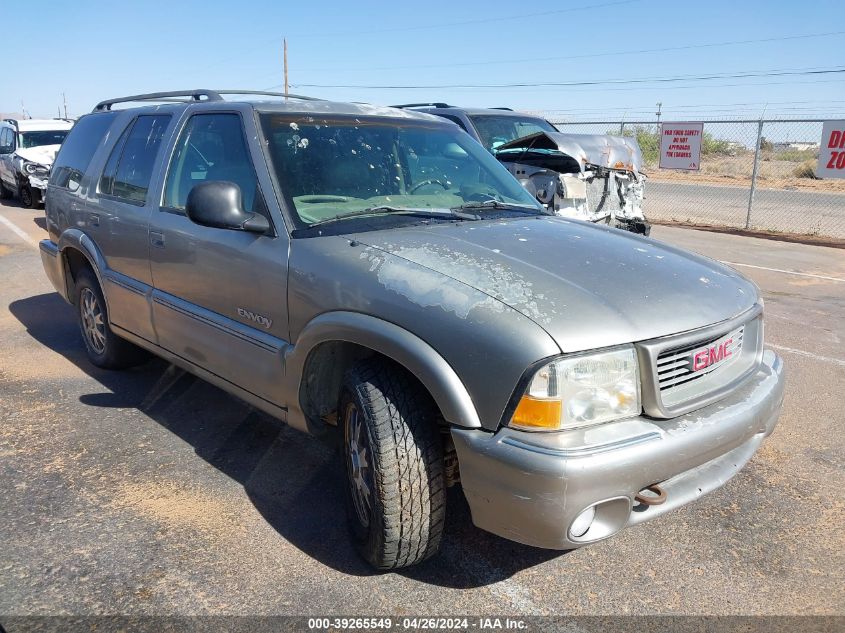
(27, 150)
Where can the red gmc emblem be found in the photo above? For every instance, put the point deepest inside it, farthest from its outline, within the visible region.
(708, 356)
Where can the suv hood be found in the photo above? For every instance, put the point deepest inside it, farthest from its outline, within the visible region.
(587, 286)
(611, 152)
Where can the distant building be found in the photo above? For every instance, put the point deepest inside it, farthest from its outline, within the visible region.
(801, 146)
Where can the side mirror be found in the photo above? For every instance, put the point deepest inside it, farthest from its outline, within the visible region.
(219, 204)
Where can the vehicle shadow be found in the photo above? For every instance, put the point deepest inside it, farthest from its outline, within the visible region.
(291, 479)
(15, 203)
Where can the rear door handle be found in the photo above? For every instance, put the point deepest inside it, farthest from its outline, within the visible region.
(157, 239)
(94, 219)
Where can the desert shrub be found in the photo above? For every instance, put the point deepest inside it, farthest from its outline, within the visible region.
(711, 146)
(807, 169)
(647, 139)
(796, 155)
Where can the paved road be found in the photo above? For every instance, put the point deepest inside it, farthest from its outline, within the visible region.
(152, 492)
(774, 209)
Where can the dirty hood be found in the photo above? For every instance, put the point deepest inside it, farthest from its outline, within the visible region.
(613, 152)
(43, 154)
(587, 286)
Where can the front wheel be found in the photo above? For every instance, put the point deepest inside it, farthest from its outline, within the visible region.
(27, 197)
(394, 465)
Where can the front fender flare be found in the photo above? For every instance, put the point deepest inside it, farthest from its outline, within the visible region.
(407, 349)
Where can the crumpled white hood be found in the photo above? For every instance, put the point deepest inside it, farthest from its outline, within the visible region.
(612, 152)
(43, 154)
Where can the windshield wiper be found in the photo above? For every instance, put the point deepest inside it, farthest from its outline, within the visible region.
(507, 206)
(386, 210)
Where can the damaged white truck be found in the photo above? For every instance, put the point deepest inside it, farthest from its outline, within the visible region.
(28, 148)
(594, 177)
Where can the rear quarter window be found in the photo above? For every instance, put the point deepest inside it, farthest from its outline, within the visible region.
(78, 149)
(129, 169)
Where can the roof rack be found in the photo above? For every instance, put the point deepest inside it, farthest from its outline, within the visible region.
(435, 104)
(193, 95)
(503, 108)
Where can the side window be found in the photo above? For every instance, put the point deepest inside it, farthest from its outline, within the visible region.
(138, 157)
(107, 179)
(212, 147)
(78, 149)
(7, 141)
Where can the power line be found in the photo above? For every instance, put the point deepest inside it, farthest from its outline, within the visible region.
(247, 53)
(696, 106)
(596, 82)
(586, 56)
(665, 87)
(507, 18)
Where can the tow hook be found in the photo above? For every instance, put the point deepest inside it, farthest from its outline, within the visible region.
(657, 496)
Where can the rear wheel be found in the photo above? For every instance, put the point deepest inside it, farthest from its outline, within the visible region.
(5, 194)
(394, 465)
(105, 349)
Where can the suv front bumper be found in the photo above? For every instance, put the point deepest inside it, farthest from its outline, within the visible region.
(530, 487)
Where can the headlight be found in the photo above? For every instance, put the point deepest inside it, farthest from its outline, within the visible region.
(34, 169)
(579, 391)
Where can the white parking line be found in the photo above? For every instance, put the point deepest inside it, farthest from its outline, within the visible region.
(787, 272)
(19, 232)
(801, 352)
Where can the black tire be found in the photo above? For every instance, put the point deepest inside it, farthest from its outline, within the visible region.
(5, 194)
(402, 465)
(27, 197)
(105, 349)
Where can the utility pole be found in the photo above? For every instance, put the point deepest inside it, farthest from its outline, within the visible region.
(659, 106)
(64, 100)
(285, 43)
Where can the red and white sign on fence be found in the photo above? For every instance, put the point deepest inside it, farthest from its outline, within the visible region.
(832, 151)
(680, 145)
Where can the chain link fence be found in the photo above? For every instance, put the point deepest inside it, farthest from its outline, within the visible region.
(755, 174)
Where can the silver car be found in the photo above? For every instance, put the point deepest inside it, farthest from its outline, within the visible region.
(375, 277)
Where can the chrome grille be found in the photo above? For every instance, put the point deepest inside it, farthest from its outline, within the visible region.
(680, 374)
(675, 367)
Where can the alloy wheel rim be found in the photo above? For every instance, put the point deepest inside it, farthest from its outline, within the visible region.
(358, 464)
(93, 325)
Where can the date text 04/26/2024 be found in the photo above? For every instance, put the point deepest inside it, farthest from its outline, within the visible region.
(418, 623)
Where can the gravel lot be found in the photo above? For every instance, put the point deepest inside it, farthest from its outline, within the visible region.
(152, 492)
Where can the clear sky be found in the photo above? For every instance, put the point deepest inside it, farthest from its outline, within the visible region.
(92, 50)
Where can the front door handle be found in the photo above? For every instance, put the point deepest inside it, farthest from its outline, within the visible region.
(157, 239)
(94, 219)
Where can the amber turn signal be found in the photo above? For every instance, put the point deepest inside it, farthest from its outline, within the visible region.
(537, 413)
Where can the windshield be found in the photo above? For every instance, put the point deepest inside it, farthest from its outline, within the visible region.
(42, 137)
(496, 130)
(330, 167)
